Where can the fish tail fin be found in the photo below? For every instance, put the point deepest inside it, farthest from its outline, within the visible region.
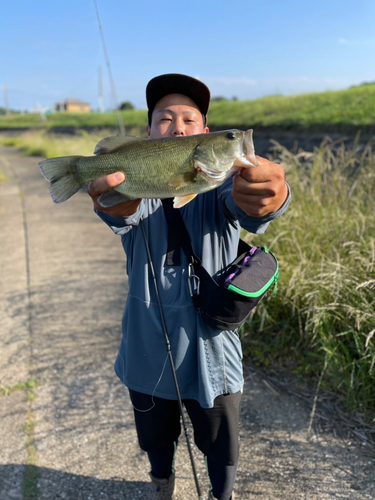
(58, 171)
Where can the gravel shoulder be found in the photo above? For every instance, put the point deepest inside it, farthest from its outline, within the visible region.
(63, 288)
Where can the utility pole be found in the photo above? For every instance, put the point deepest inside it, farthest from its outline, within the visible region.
(100, 91)
(7, 111)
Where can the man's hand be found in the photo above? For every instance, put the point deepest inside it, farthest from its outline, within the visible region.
(103, 184)
(260, 190)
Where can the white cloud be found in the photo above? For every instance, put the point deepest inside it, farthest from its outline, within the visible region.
(364, 41)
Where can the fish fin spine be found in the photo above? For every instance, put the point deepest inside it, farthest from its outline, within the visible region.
(111, 144)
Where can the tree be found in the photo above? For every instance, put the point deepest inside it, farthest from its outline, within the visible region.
(126, 105)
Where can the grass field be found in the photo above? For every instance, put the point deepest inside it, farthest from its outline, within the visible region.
(341, 111)
(322, 320)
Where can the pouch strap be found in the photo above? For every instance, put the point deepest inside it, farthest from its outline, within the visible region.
(174, 235)
(243, 247)
(178, 236)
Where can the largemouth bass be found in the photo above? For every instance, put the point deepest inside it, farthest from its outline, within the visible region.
(178, 167)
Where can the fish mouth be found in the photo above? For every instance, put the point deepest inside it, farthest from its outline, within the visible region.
(247, 143)
(247, 156)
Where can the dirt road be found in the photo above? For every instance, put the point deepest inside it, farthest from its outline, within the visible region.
(66, 421)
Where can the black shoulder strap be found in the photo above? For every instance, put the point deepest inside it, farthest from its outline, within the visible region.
(178, 236)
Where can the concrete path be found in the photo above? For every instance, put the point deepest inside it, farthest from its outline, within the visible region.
(66, 421)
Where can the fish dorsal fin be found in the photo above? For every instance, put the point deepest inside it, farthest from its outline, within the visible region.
(180, 201)
(110, 144)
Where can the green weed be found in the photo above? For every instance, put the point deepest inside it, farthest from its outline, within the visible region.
(31, 474)
(3, 177)
(29, 385)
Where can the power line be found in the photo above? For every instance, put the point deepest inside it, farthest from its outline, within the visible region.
(111, 81)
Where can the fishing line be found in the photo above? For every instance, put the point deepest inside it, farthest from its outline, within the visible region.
(157, 383)
(111, 81)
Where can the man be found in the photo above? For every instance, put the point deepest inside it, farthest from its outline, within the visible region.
(208, 362)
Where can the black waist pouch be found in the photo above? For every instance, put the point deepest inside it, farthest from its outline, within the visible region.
(225, 299)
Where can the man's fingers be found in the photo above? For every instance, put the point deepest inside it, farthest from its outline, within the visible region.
(103, 184)
(266, 171)
(255, 188)
(261, 190)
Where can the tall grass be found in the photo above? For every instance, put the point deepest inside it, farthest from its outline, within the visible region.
(41, 143)
(344, 109)
(325, 305)
(131, 118)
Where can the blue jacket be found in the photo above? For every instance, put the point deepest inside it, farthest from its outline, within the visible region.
(205, 359)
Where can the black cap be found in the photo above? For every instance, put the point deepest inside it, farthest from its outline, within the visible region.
(174, 83)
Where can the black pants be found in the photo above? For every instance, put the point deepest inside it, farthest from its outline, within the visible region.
(215, 434)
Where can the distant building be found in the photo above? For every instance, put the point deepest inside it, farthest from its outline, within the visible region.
(73, 105)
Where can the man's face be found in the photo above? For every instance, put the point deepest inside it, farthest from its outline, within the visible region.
(176, 115)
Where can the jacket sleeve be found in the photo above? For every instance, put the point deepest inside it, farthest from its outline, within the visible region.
(122, 225)
(256, 225)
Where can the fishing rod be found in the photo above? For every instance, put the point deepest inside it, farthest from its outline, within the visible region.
(186, 432)
(122, 132)
(111, 80)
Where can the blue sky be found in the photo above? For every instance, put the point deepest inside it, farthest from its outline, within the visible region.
(51, 49)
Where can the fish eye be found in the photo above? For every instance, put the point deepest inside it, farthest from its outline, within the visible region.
(230, 136)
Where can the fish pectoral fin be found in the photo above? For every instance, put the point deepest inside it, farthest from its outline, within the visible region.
(111, 198)
(180, 201)
(182, 180)
(110, 144)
